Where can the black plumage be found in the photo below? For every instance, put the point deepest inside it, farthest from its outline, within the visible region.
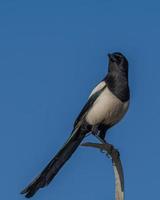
(114, 89)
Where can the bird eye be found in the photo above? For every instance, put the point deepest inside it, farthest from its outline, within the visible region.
(118, 58)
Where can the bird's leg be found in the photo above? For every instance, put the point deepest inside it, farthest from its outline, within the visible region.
(95, 132)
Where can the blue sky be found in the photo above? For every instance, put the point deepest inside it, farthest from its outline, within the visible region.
(52, 53)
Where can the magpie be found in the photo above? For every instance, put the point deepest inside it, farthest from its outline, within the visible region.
(106, 105)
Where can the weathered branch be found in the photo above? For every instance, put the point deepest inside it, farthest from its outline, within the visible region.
(117, 166)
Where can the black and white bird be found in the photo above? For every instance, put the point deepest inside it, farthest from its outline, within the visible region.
(107, 104)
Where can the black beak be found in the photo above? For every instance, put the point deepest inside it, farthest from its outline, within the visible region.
(111, 57)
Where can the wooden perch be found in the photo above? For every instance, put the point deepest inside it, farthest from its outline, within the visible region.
(117, 166)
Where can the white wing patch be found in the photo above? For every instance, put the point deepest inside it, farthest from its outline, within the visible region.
(97, 88)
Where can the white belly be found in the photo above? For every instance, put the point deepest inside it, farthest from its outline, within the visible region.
(107, 109)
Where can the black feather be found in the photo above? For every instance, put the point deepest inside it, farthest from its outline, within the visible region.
(56, 163)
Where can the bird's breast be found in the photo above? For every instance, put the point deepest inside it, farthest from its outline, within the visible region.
(107, 109)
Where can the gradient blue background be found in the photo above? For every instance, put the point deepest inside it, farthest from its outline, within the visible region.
(52, 53)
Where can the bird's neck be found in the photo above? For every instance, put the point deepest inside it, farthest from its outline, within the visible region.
(118, 85)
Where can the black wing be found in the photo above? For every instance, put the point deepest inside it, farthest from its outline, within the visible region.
(88, 105)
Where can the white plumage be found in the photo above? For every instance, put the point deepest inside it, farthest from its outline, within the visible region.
(107, 108)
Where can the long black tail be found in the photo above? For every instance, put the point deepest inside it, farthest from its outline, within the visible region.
(55, 164)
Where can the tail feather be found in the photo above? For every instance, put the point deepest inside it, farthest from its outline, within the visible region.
(55, 164)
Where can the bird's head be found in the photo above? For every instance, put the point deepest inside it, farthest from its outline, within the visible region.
(118, 62)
